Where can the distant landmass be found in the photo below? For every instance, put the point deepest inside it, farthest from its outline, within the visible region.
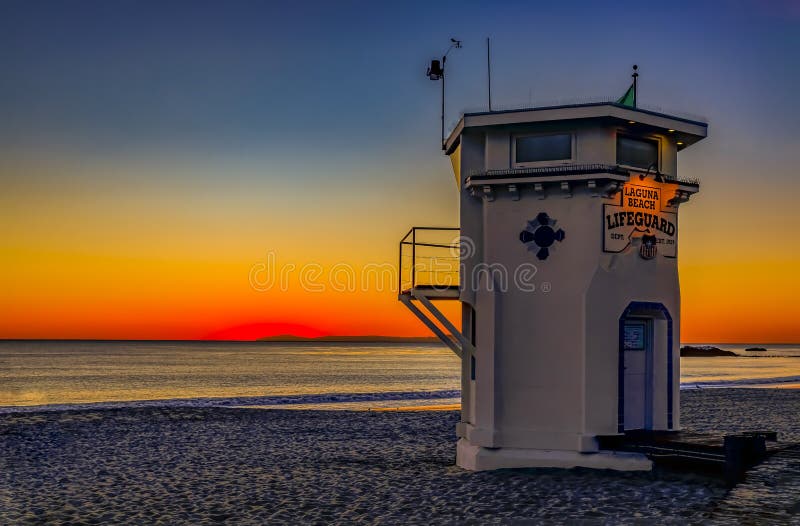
(291, 338)
(704, 350)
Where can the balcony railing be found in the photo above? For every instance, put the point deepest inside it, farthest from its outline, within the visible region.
(429, 257)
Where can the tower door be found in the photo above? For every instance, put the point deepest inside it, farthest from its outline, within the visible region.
(638, 375)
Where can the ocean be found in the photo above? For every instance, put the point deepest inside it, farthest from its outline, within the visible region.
(63, 374)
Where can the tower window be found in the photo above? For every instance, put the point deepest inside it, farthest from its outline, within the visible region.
(639, 153)
(538, 148)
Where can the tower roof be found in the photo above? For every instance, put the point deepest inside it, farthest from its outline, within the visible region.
(687, 131)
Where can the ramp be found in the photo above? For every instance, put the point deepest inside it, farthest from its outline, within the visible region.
(726, 455)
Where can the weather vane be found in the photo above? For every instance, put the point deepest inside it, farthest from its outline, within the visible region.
(436, 72)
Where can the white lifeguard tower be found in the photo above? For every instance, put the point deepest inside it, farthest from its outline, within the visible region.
(568, 281)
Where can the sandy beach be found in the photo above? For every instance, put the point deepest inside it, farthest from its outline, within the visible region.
(254, 466)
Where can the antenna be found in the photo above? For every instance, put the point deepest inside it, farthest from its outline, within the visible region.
(436, 72)
(489, 70)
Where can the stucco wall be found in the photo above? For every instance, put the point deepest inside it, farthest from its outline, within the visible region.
(547, 360)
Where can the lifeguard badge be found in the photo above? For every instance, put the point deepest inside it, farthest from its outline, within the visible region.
(648, 248)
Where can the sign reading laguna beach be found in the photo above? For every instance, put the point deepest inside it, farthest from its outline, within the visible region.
(639, 213)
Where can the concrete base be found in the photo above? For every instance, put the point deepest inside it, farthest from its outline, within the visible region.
(477, 458)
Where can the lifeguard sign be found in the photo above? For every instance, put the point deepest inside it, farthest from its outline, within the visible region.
(638, 216)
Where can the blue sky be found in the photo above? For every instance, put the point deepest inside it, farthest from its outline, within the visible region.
(257, 76)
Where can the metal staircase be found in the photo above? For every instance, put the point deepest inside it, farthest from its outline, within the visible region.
(429, 270)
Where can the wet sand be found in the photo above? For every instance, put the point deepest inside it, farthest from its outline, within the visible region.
(255, 466)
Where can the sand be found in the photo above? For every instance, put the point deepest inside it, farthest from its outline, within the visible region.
(253, 466)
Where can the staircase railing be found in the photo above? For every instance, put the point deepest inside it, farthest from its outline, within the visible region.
(429, 257)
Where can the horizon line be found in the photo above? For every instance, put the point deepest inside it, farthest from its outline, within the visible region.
(298, 339)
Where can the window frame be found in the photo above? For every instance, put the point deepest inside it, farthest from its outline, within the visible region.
(643, 138)
(535, 164)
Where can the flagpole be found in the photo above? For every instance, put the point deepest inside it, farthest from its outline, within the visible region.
(635, 79)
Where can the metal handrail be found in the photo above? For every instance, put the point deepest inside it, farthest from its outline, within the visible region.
(413, 243)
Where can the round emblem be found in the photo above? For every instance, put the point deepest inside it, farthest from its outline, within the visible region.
(541, 235)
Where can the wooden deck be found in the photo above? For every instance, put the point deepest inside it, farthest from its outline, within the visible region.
(728, 455)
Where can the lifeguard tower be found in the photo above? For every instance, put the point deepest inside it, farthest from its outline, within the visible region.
(567, 277)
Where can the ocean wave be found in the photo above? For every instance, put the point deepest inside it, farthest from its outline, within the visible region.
(741, 382)
(334, 398)
(271, 400)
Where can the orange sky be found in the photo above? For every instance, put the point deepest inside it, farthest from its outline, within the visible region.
(92, 250)
(95, 250)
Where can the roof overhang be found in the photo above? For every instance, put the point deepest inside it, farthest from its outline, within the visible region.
(685, 130)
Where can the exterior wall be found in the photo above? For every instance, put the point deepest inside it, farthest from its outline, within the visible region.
(669, 155)
(539, 337)
(620, 280)
(597, 144)
(472, 154)
(498, 150)
(472, 158)
(547, 362)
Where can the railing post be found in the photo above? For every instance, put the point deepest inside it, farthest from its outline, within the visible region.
(413, 257)
(400, 268)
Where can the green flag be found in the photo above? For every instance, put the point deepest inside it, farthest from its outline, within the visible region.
(629, 99)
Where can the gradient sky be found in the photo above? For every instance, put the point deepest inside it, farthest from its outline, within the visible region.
(151, 153)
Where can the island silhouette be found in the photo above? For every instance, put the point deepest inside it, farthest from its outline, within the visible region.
(286, 338)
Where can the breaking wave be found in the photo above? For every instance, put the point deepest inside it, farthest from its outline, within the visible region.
(335, 398)
(241, 401)
(741, 382)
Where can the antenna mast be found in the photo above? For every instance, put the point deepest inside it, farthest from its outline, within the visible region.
(436, 72)
(489, 70)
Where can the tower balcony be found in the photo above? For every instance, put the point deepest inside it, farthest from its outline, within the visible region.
(429, 262)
